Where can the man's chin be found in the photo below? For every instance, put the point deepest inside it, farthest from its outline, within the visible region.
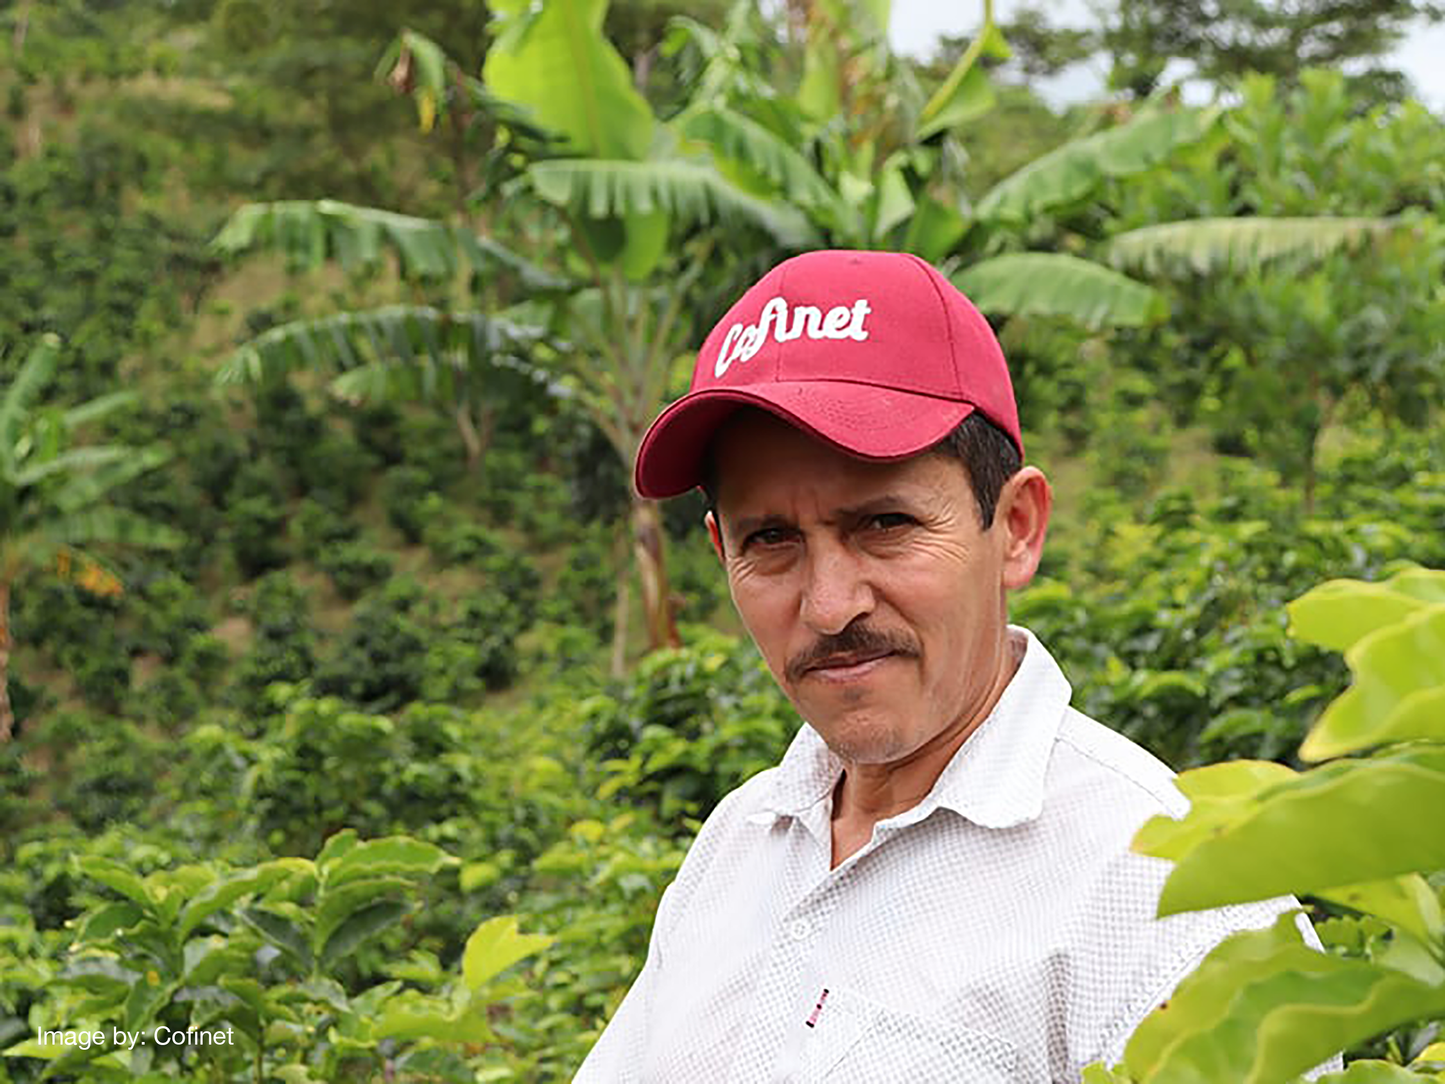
(864, 738)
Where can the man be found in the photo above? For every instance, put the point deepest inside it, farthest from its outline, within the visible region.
(935, 883)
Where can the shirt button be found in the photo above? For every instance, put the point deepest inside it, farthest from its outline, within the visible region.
(800, 928)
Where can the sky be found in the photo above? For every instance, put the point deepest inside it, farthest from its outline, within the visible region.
(917, 24)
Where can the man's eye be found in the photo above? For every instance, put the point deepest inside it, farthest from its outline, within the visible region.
(887, 521)
(768, 536)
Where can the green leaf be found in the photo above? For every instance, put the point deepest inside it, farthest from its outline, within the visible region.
(228, 890)
(149, 993)
(24, 391)
(94, 409)
(692, 192)
(1263, 1007)
(1056, 284)
(934, 229)
(894, 200)
(1208, 245)
(88, 488)
(358, 926)
(1435, 1052)
(1071, 172)
(101, 923)
(731, 135)
(494, 946)
(337, 904)
(567, 74)
(115, 876)
(645, 244)
(819, 92)
(394, 855)
(967, 92)
(388, 345)
(115, 526)
(410, 1016)
(1337, 613)
(308, 233)
(1369, 1071)
(1407, 902)
(1398, 692)
(1341, 824)
(281, 932)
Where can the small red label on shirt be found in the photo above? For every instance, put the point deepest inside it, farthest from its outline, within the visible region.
(817, 1009)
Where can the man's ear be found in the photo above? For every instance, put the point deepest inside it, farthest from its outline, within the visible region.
(715, 533)
(1022, 514)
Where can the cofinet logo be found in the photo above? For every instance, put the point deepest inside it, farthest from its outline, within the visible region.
(742, 341)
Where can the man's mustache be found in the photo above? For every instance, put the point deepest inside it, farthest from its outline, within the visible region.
(853, 640)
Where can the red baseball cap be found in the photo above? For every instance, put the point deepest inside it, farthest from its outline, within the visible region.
(873, 352)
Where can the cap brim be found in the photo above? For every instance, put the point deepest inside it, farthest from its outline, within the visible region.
(859, 419)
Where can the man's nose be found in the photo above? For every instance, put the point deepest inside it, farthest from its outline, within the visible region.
(836, 589)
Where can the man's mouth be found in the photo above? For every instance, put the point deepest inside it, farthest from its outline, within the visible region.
(849, 665)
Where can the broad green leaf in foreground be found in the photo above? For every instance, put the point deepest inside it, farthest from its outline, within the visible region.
(1264, 1007)
(1407, 901)
(1341, 824)
(1370, 1071)
(1338, 613)
(496, 945)
(1398, 692)
(1057, 284)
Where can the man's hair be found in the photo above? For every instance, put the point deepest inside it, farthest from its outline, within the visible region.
(988, 455)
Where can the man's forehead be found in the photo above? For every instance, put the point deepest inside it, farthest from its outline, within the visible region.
(757, 458)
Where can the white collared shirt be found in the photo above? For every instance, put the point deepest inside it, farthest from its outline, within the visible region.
(1000, 930)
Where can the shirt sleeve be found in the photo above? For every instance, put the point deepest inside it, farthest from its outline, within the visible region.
(617, 1055)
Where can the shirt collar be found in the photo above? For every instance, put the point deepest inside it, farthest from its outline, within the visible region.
(996, 779)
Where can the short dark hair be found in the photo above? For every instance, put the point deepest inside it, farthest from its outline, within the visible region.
(988, 454)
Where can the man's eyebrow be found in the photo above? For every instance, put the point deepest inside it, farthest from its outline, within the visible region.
(886, 502)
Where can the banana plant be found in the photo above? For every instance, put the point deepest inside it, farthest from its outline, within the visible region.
(622, 215)
(52, 495)
(875, 164)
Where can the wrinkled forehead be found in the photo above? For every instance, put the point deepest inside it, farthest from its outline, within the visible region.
(756, 457)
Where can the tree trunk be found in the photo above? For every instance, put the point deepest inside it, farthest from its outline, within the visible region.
(7, 717)
(622, 605)
(647, 545)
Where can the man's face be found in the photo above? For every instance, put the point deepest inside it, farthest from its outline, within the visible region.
(871, 589)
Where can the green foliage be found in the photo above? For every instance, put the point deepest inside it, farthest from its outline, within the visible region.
(1360, 832)
(432, 538)
(263, 955)
(689, 726)
(355, 567)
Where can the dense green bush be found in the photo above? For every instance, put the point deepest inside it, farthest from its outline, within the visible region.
(688, 726)
(256, 518)
(378, 660)
(283, 642)
(355, 566)
(409, 500)
(316, 528)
